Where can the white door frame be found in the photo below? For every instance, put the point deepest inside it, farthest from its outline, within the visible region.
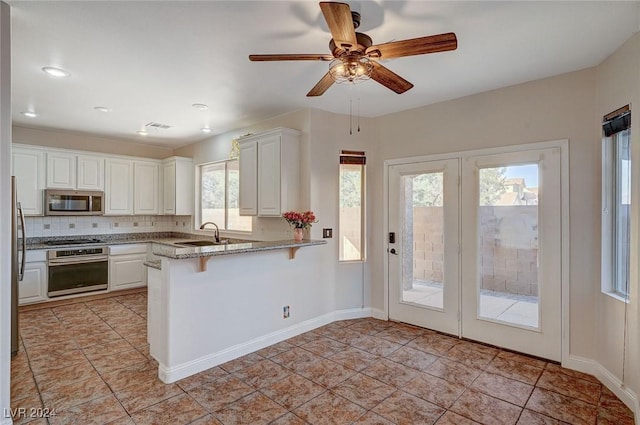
(563, 145)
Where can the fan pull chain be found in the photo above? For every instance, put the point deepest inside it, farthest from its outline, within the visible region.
(358, 115)
(350, 117)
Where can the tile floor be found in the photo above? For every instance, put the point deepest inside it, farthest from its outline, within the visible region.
(89, 363)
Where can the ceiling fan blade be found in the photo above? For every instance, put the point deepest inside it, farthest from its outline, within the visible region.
(414, 46)
(290, 57)
(389, 79)
(340, 22)
(322, 86)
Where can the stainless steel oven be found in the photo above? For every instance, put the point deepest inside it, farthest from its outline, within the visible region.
(72, 271)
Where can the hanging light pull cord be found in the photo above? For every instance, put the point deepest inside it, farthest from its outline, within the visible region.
(358, 115)
(350, 117)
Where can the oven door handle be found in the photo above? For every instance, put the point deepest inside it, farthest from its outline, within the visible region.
(76, 260)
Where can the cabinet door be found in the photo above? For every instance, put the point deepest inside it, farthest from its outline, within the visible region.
(248, 178)
(28, 167)
(127, 271)
(269, 190)
(61, 170)
(118, 187)
(90, 173)
(146, 177)
(169, 188)
(33, 286)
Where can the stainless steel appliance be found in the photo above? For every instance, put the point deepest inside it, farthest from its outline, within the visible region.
(72, 271)
(73, 202)
(17, 261)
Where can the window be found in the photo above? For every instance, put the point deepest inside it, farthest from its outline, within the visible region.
(351, 235)
(616, 217)
(219, 194)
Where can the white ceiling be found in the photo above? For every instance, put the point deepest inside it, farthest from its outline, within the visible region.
(150, 61)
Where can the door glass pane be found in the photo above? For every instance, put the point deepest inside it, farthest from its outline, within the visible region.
(423, 241)
(508, 240)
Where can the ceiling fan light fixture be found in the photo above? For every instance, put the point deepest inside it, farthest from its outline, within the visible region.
(351, 69)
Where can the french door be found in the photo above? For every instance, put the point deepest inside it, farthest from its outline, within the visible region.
(424, 205)
(477, 249)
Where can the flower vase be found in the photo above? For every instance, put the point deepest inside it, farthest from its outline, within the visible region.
(298, 234)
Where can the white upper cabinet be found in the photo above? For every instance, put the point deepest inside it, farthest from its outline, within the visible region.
(146, 177)
(90, 172)
(177, 186)
(28, 167)
(270, 172)
(71, 171)
(131, 185)
(61, 170)
(248, 163)
(118, 187)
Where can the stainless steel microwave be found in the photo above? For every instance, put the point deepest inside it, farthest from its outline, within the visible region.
(73, 202)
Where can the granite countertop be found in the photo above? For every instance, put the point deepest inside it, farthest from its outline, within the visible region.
(164, 244)
(180, 253)
(105, 240)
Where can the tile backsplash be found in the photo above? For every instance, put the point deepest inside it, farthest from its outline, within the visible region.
(100, 225)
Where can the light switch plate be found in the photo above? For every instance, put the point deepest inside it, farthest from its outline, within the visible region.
(327, 233)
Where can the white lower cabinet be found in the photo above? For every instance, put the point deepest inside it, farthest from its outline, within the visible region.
(33, 286)
(126, 266)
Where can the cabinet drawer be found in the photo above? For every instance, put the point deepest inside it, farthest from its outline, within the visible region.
(36, 255)
(134, 248)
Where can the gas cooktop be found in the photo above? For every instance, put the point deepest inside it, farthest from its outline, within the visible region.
(73, 242)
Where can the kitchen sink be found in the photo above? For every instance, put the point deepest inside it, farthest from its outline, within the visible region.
(202, 243)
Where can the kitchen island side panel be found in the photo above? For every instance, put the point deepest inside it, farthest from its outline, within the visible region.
(237, 300)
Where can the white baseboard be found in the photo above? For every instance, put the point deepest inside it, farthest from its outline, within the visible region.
(175, 373)
(353, 313)
(379, 314)
(608, 379)
(172, 374)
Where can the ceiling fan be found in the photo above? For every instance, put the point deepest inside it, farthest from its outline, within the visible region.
(354, 57)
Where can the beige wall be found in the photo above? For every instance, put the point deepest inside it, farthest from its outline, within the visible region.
(618, 84)
(560, 107)
(324, 134)
(85, 142)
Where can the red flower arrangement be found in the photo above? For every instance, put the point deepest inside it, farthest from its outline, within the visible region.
(302, 220)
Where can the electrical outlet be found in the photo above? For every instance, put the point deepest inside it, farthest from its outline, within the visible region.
(327, 233)
(285, 312)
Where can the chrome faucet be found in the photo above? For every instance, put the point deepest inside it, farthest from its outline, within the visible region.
(216, 234)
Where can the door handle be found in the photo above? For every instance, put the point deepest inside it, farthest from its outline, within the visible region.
(393, 251)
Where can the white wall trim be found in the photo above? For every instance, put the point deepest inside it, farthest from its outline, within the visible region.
(608, 379)
(376, 313)
(173, 374)
(352, 313)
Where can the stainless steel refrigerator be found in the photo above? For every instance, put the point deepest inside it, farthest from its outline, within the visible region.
(18, 258)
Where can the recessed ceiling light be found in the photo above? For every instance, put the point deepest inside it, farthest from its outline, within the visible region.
(142, 132)
(29, 114)
(55, 72)
(206, 130)
(200, 106)
(102, 108)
